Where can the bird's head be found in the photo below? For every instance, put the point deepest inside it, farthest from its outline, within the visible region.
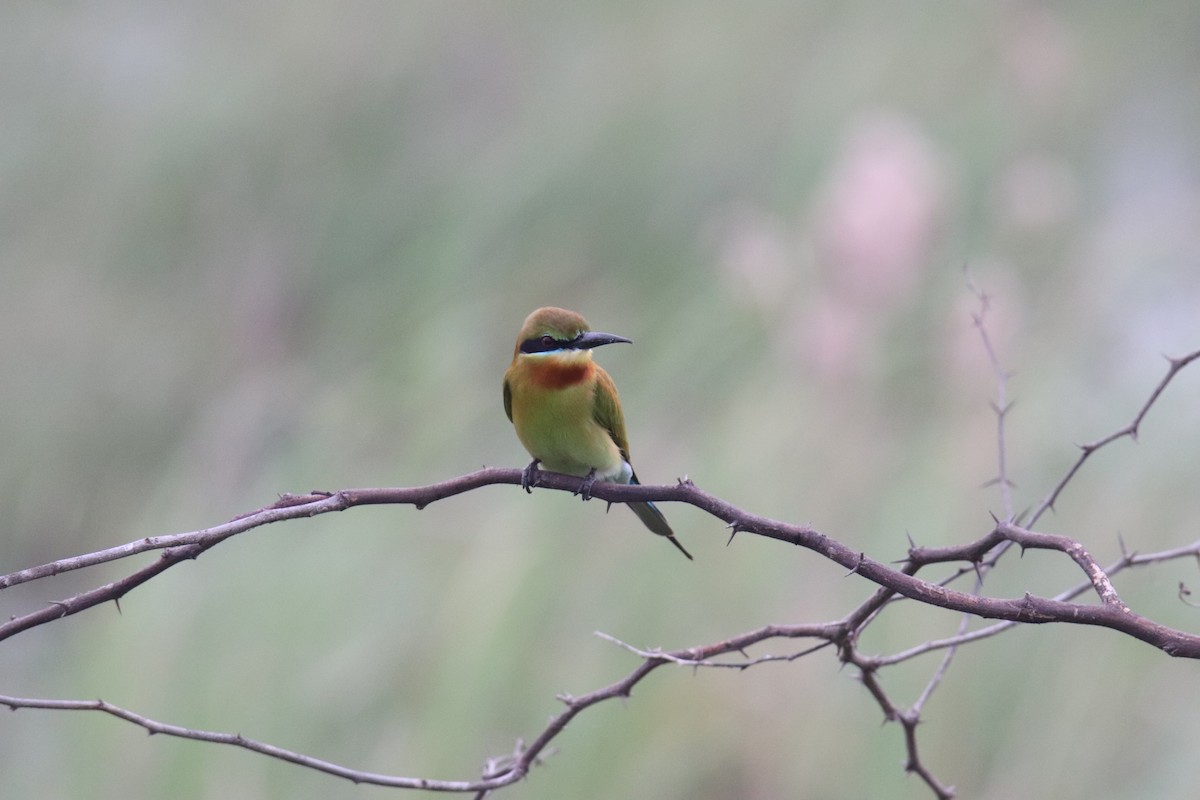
(557, 332)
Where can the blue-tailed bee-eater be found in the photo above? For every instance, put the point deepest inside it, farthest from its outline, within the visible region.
(566, 410)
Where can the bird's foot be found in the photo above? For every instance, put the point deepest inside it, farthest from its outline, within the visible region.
(529, 476)
(585, 488)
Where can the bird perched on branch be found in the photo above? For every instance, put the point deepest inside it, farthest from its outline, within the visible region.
(566, 410)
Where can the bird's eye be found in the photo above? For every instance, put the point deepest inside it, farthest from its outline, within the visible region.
(548, 341)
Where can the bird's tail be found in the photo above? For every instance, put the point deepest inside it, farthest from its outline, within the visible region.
(653, 519)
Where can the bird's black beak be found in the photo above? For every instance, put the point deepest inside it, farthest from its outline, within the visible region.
(586, 341)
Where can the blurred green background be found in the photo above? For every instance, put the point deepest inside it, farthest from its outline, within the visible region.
(251, 249)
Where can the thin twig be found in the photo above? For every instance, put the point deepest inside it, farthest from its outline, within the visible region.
(237, 740)
(1001, 406)
(1130, 430)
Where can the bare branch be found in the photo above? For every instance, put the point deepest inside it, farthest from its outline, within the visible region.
(1049, 541)
(893, 584)
(935, 680)
(1001, 406)
(702, 656)
(1130, 430)
(914, 763)
(1026, 609)
(1126, 561)
(237, 740)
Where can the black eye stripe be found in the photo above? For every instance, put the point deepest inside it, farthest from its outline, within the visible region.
(545, 343)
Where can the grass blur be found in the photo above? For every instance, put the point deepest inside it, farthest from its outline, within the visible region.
(267, 248)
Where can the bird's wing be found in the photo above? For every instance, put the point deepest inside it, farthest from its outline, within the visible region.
(606, 410)
(508, 399)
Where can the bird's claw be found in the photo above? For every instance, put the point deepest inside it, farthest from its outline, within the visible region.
(529, 476)
(585, 488)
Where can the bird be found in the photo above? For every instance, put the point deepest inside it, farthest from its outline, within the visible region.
(566, 411)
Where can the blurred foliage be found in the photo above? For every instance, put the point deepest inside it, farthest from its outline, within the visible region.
(259, 248)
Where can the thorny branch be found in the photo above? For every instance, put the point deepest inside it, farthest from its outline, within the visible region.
(1111, 612)
(1001, 405)
(1025, 609)
(1130, 430)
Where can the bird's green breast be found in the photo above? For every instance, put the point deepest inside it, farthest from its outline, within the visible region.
(553, 409)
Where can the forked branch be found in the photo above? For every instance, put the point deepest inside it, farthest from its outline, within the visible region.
(1110, 612)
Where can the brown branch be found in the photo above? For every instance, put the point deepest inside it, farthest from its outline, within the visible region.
(1026, 609)
(1028, 539)
(703, 656)
(1007, 532)
(500, 772)
(1126, 561)
(1001, 406)
(893, 583)
(980, 553)
(237, 740)
(1130, 430)
(981, 556)
(910, 720)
